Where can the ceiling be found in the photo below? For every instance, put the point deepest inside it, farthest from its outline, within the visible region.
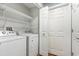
(29, 5)
(50, 4)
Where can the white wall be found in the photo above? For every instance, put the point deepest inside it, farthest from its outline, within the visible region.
(16, 21)
(19, 6)
(34, 23)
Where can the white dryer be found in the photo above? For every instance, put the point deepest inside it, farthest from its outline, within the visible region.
(32, 44)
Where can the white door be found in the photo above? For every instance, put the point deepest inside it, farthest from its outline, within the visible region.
(60, 30)
(43, 31)
(75, 26)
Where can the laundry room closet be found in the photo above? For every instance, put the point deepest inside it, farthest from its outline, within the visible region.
(21, 18)
(39, 29)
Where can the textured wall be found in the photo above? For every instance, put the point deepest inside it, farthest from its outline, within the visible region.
(19, 6)
(34, 23)
(18, 22)
(14, 20)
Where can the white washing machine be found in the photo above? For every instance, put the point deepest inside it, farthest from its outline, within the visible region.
(32, 44)
(12, 45)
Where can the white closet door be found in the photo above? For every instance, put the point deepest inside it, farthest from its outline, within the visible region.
(75, 26)
(60, 30)
(43, 31)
